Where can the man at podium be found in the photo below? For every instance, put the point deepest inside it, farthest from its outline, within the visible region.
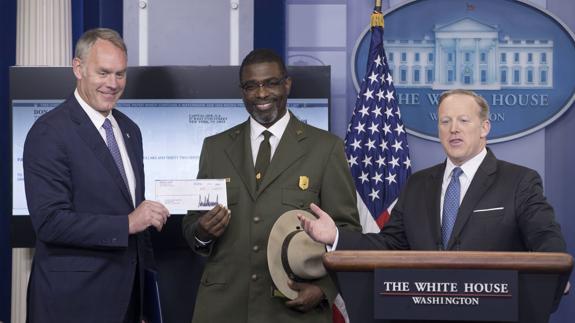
(472, 201)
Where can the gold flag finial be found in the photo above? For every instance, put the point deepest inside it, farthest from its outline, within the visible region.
(377, 16)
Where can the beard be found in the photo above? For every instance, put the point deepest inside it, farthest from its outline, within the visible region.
(265, 117)
(270, 116)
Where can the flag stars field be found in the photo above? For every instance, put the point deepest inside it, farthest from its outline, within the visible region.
(376, 111)
(368, 95)
(364, 111)
(383, 170)
(376, 139)
(374, 127)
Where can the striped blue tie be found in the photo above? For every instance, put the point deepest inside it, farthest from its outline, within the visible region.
(450, 206)
(115, 150)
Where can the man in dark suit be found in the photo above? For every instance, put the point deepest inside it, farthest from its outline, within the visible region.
(490, 205)
(84, 176)
(306, 165)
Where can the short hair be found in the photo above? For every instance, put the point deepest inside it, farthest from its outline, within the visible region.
(263, 55)
(90, 37)
(484, 107)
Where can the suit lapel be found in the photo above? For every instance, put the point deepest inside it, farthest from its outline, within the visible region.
(479, 185)
(94, 140)
(288, 151)
(433, 186)
(240, 155)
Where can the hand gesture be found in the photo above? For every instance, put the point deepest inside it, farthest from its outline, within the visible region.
(148, 213)
(322, 230)
(213, 223)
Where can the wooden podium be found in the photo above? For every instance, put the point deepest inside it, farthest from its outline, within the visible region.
(542, 277)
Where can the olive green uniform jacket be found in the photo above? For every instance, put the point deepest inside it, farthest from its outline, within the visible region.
(236, 285)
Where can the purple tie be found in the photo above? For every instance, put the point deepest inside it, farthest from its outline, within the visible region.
(115, 150)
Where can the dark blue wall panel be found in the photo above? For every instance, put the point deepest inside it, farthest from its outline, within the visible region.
(7, 58)
(270, 25)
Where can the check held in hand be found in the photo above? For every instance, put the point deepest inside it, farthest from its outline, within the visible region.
(213, 223)
(148, 213)
(181, 196)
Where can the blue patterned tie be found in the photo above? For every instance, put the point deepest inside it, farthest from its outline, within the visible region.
(115, 150)
(450, 205)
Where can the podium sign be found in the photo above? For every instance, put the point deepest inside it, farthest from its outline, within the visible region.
(446, 294)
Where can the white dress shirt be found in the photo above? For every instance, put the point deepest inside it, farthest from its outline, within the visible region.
(469, 169)
(256, 134)
(98, 120)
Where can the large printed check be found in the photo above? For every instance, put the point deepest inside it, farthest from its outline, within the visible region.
(181, 196)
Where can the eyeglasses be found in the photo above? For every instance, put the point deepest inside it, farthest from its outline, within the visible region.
(269, 84)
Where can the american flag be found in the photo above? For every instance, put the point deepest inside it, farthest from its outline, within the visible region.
(376, 141)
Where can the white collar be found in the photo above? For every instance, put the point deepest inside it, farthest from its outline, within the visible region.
(277, 129)
(96, 117)
(469, 168)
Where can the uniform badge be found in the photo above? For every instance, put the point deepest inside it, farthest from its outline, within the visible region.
(303, 182)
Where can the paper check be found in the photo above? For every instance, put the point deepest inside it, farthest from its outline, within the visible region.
(181, 196)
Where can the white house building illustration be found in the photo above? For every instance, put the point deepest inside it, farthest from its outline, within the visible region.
(470, 54)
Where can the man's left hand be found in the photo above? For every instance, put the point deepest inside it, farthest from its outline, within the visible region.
(309, 296)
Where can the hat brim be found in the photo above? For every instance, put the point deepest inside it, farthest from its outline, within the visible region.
(284, 225)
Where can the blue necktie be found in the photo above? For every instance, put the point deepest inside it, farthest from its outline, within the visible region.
(450, 206)
(115, 150)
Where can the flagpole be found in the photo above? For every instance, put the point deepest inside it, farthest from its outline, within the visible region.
(377, 16)
(376, 139)
(375, 142)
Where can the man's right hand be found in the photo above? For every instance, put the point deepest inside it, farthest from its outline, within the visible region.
(146, 214)
(213, 223)
(323, 229)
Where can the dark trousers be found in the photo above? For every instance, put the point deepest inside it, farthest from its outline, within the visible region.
(133, 311)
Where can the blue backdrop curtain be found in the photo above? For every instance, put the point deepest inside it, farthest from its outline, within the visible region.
(88, 14)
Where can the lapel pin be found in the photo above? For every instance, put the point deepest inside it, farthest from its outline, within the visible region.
(127, 135)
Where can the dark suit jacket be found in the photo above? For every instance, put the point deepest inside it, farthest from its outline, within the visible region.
(85, 262)
(236, 285)
(504, 209)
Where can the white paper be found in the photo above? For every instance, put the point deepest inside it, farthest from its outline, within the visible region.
(181, 196)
